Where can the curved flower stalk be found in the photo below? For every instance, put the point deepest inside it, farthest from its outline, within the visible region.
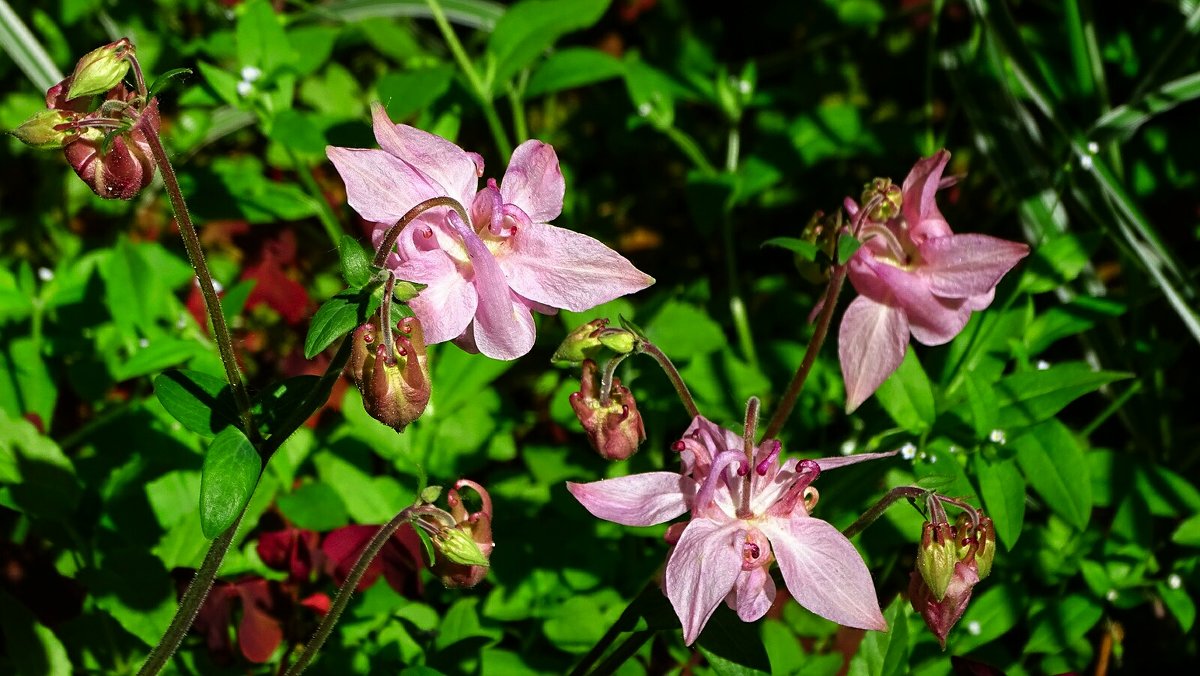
(746, 512)
(486, 277)
(913, 275)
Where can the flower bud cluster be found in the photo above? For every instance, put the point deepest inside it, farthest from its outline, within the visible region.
(611, 419)
(951, 560)
(462, 540)
(393, 377)
(102, 126)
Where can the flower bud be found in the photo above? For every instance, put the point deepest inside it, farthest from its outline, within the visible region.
(618, 340)
(40, 131)
(120, 166)
(100, 69)
(985, 550)
(937, 556)
(941, 615)
(581, 343)
(393, 379)
(463, 550)
(892, 198)
(613, 424)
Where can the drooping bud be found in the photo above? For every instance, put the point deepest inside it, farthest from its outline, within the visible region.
(611, 420)
(120, 165)
(891, 198)
(937, 556)
(462, 551)
(100, 69)
(393, 379)
(43, 130)
(941, 615)
(581, 343)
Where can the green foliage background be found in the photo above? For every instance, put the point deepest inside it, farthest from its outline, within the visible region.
(689, 134)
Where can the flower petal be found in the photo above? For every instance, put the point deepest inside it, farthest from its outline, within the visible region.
(920, 204)
(962, 266)
(824, 572)
(703, 567)
(534, 182)
(447, 305)
(503, 326)
(379, 187)
(754, 592)
(933, 320)
(442, 168)
(638, 499)
(871, 344)
(566, 269)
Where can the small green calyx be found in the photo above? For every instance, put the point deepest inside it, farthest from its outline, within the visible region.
(43, 130)
(458, 547)
(936, 556)
(100, 69)
(580, 344)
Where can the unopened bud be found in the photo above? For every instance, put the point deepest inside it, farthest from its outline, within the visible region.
(581, 343)
(613, 424)
(393, 379)
(936, 557)
(41, 130)
(891, 199)
(985, 551)
(100, 69)
(463, 551)
(431, 494)
(119, 165)
(941, 615)
(618, 340)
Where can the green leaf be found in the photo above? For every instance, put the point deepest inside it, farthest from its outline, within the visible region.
(1061, 622)
(1032, 396)
(36, 477)
(1055, 466)
(231, 469)
(885, 653)
(356, 266)
(982, 400)
(158, 354)
(315, 506)
(261, 42)
(126, 275)
(1057, 262)
(685, 331)
(30, 648)
(1124, 120)
(805, 249)
(907, 396)
(1069, 319)
(406, 93)
(199, 401)
(732, 647)
(297, 132)
(530, 27)
(337, 317)
(167, 79)
(846, 246)
(481, 14)
(1188, 532)
(1003, 491)
(989, 616)
(1180, 603)
(573, 67)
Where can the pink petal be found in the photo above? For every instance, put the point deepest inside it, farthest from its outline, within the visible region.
(962, 266)
(920, 206)
(503, 326)
(824, 572)
(843, 460)
(638, 499)
(703, 567)
(379, 187)
(871, 344)
(754, 592)
(447, 305)
(534, 182)
(443, 168)
(933, 320)
(566, 269)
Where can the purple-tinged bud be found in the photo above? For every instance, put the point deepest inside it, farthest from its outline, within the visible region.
(891, 199)
(45, 130)
(985, 549)
(581, 343)
(462, 551)
(100, 69)
(120, 167)
(941, 615)
(393, 379)
(936, 557)
(613, 424)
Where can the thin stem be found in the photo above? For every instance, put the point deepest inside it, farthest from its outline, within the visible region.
(212, 303)
(880, 507)
(627, 618)
(317, 396)
(138, 77)
(385, 315)
(189, 604)
(468, 69)
(690, 148)
(516, 101)
(788, 402)
(329, 220)
(606, 379)
(623, 652)
(347, 589)
(389, 237)
(681, 388)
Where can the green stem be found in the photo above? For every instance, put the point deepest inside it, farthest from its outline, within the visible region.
(624, 622)
(880, 507)
(646, 347)
(788, 402)
(623, 652)
(481, 92)
(516, 101)
(347, 590)
(212, 303)
(329, 220)
(189, 604)
(691, 149)
(389, 237)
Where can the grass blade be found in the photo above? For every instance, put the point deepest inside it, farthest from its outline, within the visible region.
(26, 51)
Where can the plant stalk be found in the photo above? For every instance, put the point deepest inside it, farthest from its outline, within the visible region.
(646, 347)
(393, 233)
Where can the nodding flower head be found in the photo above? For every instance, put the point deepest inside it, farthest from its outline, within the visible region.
(611, 419)
(462, 540)
(392, 377)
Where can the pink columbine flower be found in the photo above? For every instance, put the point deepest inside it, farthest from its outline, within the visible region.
(743, 518)
(914, 275)
(484, 277)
